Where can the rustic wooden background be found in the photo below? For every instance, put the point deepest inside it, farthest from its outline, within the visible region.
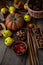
(8, 57)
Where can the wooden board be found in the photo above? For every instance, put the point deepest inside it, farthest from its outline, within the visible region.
(8, 56)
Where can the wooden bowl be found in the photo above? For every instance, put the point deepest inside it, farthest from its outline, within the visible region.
(35, 14)
(16, 48)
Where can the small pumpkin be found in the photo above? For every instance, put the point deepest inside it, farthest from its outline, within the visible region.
(14, 21)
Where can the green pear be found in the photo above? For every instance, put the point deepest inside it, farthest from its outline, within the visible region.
(12, 9)
(27, 18)
(9, 41)
(7, 33)
(25, 6)
(4, 10)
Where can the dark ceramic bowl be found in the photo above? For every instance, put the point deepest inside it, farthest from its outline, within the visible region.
(20, 47)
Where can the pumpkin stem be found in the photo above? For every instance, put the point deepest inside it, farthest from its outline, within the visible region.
(14, 19)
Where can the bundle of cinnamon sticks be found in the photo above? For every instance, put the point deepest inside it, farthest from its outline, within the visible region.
(33, 55)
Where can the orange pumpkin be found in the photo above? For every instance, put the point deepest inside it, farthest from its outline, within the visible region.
(14, 21)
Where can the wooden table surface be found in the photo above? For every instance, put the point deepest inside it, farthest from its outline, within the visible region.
(8, 57)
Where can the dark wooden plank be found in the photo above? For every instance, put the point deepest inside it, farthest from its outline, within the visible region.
(27, 61)
(40, 52)
(2, 49)
(11, 58)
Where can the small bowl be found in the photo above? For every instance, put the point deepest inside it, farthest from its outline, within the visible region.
(35, 14)
(20, 48)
